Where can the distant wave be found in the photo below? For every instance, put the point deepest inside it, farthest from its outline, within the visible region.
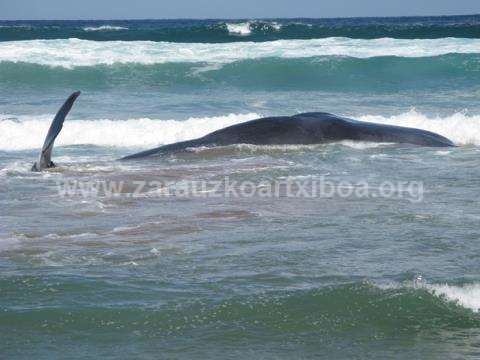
(105, 28)
(324, 73)
(220, 31)
(239, 29)
(22, 133)
(246, 28)
(74, 52)
(25, 27)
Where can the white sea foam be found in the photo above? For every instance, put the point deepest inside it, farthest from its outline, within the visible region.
(104, 28)
(242, 29)
(26, 132)
(467, 296)
(75, 52)
(361, 145)
(460, 128)
(276, 26)
(16, 27)
(246, 28)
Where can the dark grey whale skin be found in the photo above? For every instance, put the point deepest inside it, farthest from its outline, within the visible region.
(306, 128)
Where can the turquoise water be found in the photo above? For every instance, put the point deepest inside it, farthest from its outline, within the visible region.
(165, 275)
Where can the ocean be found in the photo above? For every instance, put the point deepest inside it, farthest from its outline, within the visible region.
(150, 269)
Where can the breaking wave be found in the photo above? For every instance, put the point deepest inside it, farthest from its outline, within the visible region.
(104, 28)
(69, 53)
(340, 309)
(24, 133)
(239, 29)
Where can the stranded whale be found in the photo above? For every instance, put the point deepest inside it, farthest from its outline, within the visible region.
(307, 128)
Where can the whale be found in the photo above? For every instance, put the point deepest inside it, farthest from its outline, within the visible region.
(303, 129)
(300, 129)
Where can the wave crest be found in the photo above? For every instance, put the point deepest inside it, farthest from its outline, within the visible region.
(104, 28)
(242, 29)
(467, 296)
(71, 53)
(258, 27)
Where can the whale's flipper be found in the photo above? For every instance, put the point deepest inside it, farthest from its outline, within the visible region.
(45, 159)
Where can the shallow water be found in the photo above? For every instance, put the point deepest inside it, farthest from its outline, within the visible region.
(161, 272)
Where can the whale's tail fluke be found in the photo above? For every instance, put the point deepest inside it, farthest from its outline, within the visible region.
(45, 159)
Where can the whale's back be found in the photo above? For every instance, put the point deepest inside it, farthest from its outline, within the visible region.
(337, 128)
(305, 128)
(266, 131)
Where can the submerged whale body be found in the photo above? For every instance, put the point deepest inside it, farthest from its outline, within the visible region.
(306, 129)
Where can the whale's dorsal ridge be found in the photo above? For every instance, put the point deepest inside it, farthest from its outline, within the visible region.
(314, 114)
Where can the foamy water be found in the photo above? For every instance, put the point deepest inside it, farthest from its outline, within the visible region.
(105, 28)
(29, 132)
(74, 52)
(467, 296)
(239, 29)
(462, 129)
